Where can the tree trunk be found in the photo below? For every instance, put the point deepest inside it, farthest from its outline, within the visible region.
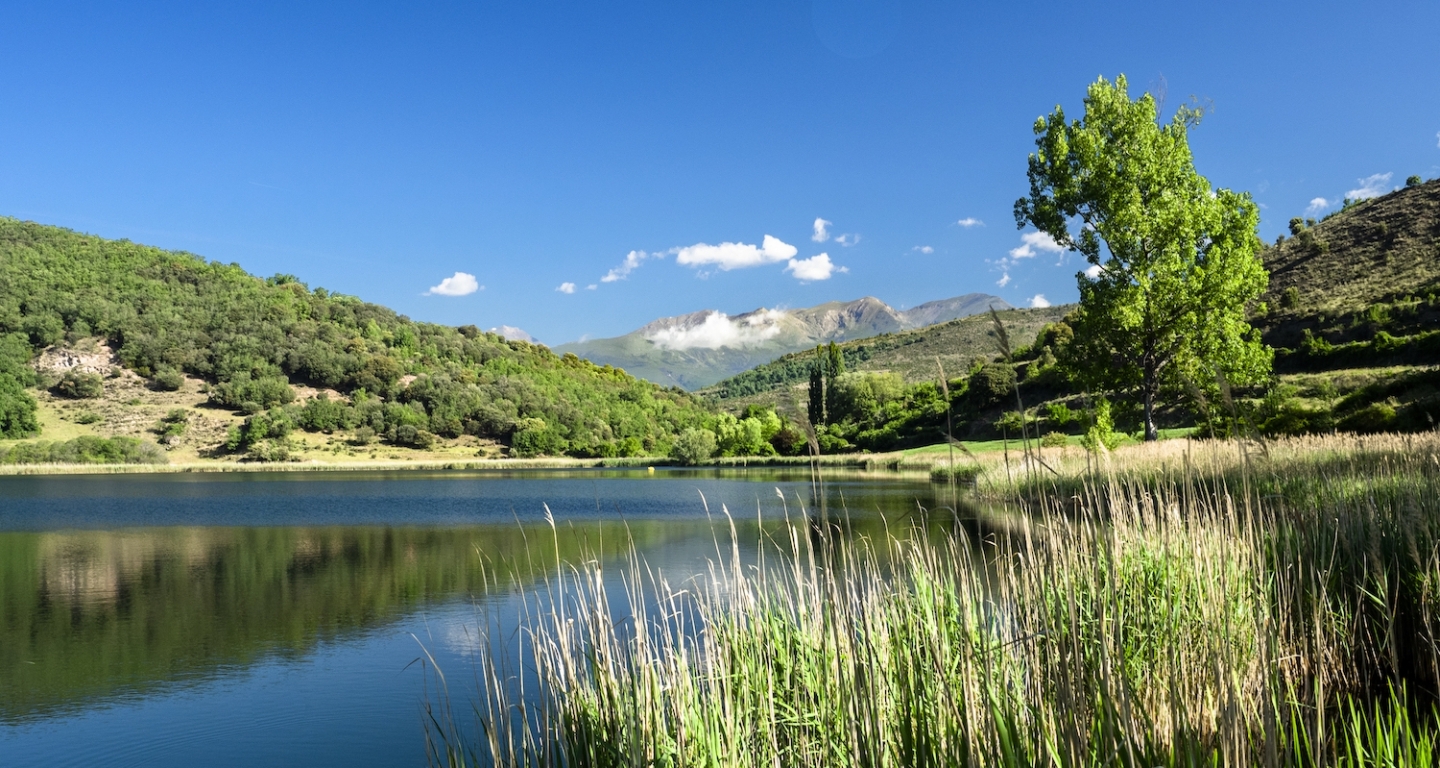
(1151, 433)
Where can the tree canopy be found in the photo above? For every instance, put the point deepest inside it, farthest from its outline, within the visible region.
(1174, 262)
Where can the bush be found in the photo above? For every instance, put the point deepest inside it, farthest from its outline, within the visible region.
(963, 474)
(269, 451)
(1054, 440)
(272, 425)
(790, 441)
(80, 386)
(85, 450)
(1291, 417)
(1011, 423)
(88, 417)
(538, 441)
(1414, 181)
(413, 437)
(1102, 432)
(264, 391)
(17, 409)
(749, 436)
(1290, 298)
(1375, 417)
(991, 384)
(833, 443)
(321, 414)
(172, 425)
(693, 446)
(1060, 415)
(167, 380)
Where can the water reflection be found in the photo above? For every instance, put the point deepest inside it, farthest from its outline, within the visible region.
(101, 613)
(87, 615)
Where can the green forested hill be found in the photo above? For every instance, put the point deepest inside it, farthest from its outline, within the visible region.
(169, 314)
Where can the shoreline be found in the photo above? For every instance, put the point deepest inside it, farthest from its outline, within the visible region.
(889, 462)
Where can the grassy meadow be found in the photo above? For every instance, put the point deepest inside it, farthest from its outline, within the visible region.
(1178, 603)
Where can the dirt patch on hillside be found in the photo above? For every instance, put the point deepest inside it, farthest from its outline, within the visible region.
(88, 356)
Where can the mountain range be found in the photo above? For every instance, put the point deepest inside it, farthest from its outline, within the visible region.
(701, 348)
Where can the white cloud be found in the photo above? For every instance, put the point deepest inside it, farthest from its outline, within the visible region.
(1093, 271)
(925, 249)
(458, 284)
(813, 268)
(847, 240)
(729, 256)
(566, 288)
(1039, 301)
(822, 233)
(591, 287)
(1371, 186)
(511, 333)
(1004, 280)
(1437, 138)
(1317, 205)
(719, 330)
(970, 221)
(632, 262)
(1034, 242)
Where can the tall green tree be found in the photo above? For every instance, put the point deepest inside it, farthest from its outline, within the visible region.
(816, 406)
(1178, 262)
(834, 366)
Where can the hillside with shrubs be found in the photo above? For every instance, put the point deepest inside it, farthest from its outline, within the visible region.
(1352, 312)
(264, 360)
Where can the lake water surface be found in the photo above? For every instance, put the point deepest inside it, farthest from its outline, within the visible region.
(274, 618)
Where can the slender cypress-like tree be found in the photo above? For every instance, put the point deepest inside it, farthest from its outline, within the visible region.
(816, 410)
(834, 366)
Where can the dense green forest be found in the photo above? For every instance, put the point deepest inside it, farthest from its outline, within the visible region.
(168, 314)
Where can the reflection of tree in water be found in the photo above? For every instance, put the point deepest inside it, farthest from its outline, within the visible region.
(87, 615)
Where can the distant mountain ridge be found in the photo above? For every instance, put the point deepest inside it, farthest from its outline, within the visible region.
(701, 348)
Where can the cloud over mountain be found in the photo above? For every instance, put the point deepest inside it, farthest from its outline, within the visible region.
(718, 329)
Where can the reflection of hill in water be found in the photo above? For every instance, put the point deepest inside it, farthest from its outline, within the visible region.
(88, 615)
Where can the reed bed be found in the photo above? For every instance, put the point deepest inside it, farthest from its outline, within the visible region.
(1182, 610)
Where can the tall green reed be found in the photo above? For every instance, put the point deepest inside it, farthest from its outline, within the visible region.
(1184, 616)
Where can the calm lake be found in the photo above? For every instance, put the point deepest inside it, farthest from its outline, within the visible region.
(274, 618)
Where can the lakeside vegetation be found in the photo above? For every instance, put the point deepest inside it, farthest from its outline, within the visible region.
(1191, 603)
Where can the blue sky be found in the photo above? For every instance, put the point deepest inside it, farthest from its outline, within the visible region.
(377, 149)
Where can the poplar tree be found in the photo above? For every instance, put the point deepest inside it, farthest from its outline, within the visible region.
(834, 366)
(816, 410)
(1174, 262)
